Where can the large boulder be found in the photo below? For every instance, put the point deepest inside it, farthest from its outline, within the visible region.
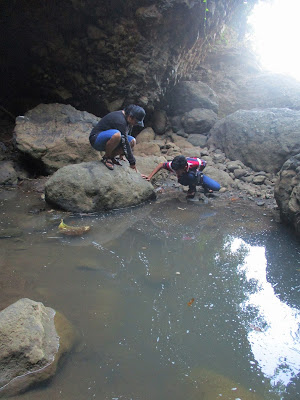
(91, 187)
(159, 122)
(56, 135)
(146, 135)
(33, 338)
(287, 192)
(199, 120)
(261, 139)
(147, 149)
(147, 164)
(187, 95)
(222, 177)
(197, 140)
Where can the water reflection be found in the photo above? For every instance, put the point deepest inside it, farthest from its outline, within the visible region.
(126, 286)
(274, 326)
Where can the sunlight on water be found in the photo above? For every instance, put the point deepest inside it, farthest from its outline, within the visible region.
(274, 339)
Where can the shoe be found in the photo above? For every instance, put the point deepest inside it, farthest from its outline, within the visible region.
(108, 162)
(191, 194)
(116, 161)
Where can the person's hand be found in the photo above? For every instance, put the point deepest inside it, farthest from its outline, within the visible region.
(133, 167)
(145, 177)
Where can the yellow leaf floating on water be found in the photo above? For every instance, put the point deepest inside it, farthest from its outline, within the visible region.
(72, 230)
(191, 302)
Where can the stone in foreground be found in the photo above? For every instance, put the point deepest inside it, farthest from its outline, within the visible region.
(32, 340)
(91, 187)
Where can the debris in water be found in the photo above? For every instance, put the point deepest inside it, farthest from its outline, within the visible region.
(187, 237)
(256, 328)
(72, 230)
(191, 302)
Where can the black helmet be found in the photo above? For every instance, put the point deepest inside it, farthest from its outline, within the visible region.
(137, 112)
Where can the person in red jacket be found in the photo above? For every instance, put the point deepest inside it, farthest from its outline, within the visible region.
(112, 134)
(189, 173)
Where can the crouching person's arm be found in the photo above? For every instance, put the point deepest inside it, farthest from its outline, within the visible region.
(149, 177)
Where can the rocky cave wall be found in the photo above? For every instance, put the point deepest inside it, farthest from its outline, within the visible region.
(98, 55)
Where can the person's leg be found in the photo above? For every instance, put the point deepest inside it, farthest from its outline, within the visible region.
(210, 185)
(112, 144)
(102, 139)
(119, 149)
(189, 179)
(191, 192)
(107, 141)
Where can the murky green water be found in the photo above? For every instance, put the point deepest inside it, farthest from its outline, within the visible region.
(127, 285)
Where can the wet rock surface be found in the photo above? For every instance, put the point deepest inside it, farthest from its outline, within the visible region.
(287, 192)
(90, 187)
(33, 339)
(8, 175)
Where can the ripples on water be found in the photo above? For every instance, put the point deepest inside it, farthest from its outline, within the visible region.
(126, 286)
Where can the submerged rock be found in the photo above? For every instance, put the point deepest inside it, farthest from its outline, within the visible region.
(33, 338)
(91, 187)
(216, 386)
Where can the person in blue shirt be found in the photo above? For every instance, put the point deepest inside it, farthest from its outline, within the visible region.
(112, 135)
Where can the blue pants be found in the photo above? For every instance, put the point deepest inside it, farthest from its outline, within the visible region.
(191, 179)
(104, 136)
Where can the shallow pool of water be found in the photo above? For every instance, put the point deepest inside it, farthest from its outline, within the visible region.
(172, 300)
